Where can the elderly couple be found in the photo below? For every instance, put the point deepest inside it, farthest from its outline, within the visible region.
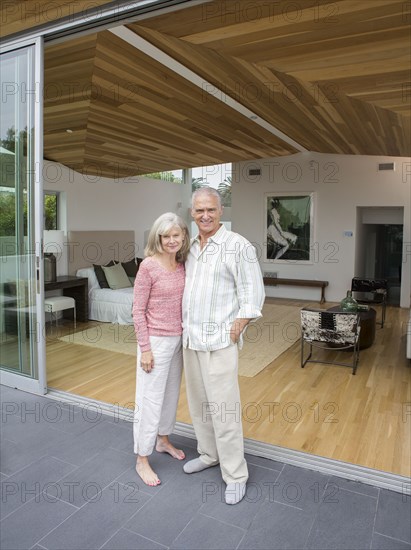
(207, 292)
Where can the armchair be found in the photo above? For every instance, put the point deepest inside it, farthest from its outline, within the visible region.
(371, 291)
(329, 330)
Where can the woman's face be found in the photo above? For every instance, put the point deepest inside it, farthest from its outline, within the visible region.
(172, 241)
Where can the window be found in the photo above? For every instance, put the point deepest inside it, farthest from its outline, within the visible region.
(217, 176)
(51, 210)
(175, 176)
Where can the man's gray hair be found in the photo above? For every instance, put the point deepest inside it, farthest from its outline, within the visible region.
(206, 191)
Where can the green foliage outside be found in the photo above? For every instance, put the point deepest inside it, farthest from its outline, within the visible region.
(50, 212)
(224, 188)
(8, 218)
(8, 196)
(8, 213)
(10, 140)
(165, 176)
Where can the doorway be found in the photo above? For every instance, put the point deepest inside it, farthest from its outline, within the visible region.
(379, 247)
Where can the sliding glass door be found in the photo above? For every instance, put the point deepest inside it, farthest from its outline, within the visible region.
(21, 290)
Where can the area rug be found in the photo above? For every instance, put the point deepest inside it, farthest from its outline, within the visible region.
(269, 337)
(106, 336)
(264, 340)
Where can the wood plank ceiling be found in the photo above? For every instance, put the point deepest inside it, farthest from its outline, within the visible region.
(334, 77)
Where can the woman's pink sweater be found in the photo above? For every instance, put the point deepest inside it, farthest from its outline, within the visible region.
(158, 294)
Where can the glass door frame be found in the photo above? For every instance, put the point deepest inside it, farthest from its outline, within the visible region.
(37, 384)
(98, 18)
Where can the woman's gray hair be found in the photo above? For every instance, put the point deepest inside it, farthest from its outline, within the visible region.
(206, 191)
(162, 227)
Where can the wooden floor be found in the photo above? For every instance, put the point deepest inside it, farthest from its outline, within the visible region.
(321, 409)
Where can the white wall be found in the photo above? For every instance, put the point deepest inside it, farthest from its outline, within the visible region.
(341, 183)
(93, 203)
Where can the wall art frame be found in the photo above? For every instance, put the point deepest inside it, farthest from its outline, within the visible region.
(289, 227)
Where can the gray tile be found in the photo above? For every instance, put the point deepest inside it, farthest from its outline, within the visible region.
(8, 394)
(32, 435)
(165, 466)
(50, 442)
(278, 527)
(125, 420)
(179, 440)
(242, 514)
(14, 456)
(380, 542)
(80, 448)
(96, 522)
(205, 533)
(72, 419)
(31, 482)
(49, 413)
(29, 524)
(304, 489)
(264, 462)
(393, 515)
(355, 486)
(9, 413)
(125, 540)
(85, 483)
(176, 504)
(345, 522)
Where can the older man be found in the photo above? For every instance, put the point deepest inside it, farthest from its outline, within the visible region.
(224, 291)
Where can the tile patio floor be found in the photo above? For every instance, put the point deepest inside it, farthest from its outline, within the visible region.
(68, 482)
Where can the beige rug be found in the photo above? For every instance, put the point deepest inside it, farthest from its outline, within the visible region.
(264, 340)
(269, 337)
(107, 336)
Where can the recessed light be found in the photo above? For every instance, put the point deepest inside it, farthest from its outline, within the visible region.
(69, 131)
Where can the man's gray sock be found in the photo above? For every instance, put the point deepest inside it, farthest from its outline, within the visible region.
(196, 465)
(235, 492)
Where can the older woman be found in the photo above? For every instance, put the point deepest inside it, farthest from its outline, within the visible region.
(158, 292)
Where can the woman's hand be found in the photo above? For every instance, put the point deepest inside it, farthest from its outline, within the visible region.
(147, 361)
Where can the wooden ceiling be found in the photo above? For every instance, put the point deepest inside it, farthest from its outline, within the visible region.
(333, 76)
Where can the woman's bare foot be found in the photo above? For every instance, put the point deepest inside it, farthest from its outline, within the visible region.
(164, 446)
(146, 473)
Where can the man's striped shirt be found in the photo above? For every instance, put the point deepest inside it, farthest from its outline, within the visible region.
(223, 282)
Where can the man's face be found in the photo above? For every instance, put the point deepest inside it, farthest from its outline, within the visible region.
(206, 213)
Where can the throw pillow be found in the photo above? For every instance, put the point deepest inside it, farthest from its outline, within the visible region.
(130, 267)
(116, 276)
(101, 278)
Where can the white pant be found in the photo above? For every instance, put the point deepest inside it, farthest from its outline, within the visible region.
(157, 393)
(214, 402)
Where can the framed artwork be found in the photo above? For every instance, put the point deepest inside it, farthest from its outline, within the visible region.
(289, 226)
